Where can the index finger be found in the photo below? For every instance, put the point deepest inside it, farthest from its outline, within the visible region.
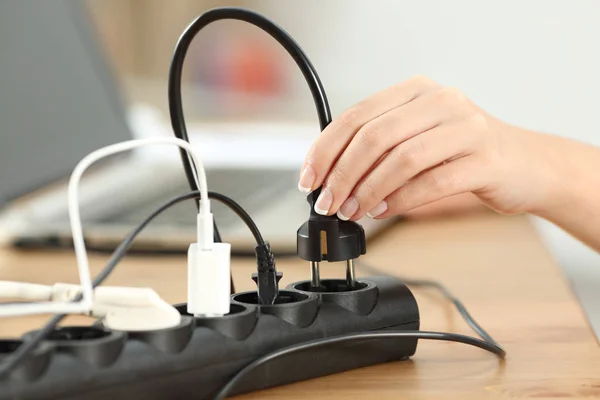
(335, 138)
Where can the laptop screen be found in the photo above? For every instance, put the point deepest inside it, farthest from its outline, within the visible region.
(58, 100)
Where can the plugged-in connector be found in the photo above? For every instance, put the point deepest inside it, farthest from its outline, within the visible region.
(124, 308)
(267, 278)
(327, 238)
(121, 308)
(133, 309)
(209, 268)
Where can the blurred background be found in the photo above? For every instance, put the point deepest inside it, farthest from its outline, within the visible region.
(532, 63)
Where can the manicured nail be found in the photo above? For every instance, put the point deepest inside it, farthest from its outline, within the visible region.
(348, 209)
(378, 210)
(324, 202)
(307, 179)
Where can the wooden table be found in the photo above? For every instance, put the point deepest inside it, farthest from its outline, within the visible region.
(496, 265)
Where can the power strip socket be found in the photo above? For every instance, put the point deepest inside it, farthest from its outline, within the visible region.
(198, 357)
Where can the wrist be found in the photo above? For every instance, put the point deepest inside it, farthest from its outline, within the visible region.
(572, 185)
(550, 166)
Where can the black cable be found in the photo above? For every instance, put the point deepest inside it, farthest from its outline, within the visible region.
(450, 337)
(288, 43)
(176, 71)
(460, 307)
(236, 208)
(14, 360)
(462, 310)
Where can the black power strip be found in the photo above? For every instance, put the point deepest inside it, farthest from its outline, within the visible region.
(196, 359)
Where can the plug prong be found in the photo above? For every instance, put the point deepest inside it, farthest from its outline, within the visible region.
(315, 275)
(350, 274)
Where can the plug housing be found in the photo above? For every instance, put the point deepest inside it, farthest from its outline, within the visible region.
(120, 308)
(267, 278)
(327, 238)
(209, 289)
(133, 309)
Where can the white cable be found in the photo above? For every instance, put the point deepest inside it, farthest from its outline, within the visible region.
(25, 290)
(85, 304)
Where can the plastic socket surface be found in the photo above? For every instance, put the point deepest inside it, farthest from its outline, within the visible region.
(195, 359)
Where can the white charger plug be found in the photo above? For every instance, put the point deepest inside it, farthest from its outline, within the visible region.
(209, 271)
(121, 308)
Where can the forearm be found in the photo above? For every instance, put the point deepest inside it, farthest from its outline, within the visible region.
(574, 203)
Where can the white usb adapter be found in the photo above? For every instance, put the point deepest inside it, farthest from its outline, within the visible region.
(209, 270)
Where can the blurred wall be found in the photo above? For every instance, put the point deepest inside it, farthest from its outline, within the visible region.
(533, 63)
(231, 69)
(140, 34)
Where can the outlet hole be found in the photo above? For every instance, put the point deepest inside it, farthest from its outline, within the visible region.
(77, 333)
(330, 286)
(9, 346)
(285, 297)
(233, 309)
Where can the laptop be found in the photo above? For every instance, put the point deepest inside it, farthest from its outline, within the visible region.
(59, 101)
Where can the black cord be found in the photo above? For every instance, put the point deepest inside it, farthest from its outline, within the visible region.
(233, 206)
(176, 71)
(19, 355)
(449, 337)
(288, 43)
(460, 307)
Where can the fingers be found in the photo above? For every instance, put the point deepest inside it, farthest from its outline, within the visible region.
(379, 136)
(334, 139)
(456, 177)
(445, 142)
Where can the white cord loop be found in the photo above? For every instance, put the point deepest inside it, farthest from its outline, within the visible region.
(85, 304)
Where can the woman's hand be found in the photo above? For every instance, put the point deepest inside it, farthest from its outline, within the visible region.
(419, 142)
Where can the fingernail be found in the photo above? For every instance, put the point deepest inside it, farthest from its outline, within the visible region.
(307, 179)
(324, 202)
(378, 210)
(348, 209)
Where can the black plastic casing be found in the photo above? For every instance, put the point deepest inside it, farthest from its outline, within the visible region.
(195, 359)
(328, 238)
(345, 240)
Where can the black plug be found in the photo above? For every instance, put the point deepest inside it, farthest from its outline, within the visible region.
(267, 278)
(327, 238)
